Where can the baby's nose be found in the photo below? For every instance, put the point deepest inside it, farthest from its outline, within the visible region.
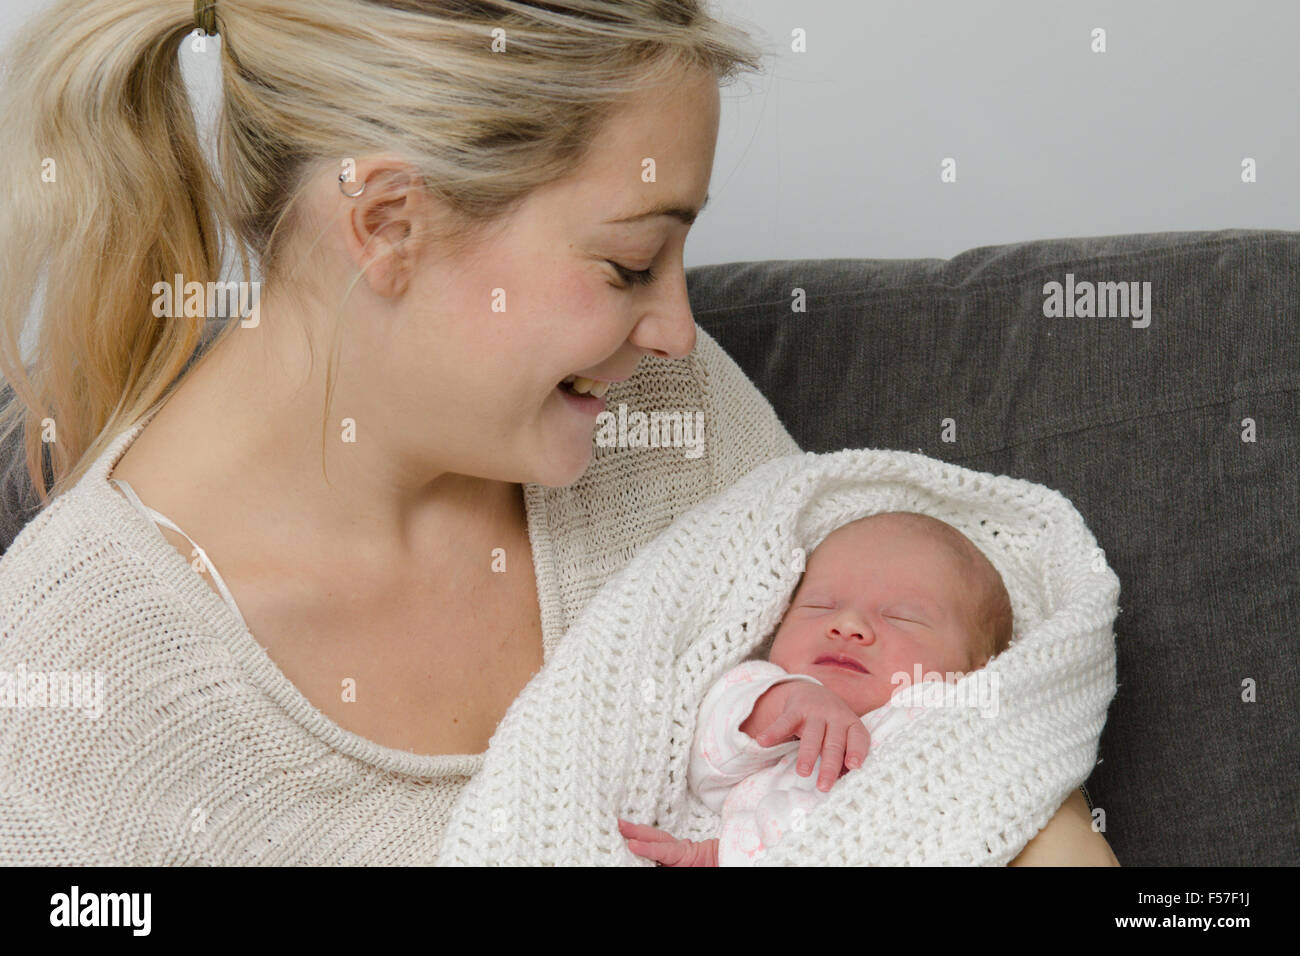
(854, 633)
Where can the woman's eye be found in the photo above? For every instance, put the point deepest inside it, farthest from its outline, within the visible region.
(643, 277)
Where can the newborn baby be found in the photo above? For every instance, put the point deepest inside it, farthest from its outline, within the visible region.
(879, 596)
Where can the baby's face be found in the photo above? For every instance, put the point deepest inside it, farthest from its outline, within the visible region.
(887, 597)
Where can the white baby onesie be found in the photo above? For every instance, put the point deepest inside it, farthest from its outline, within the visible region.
(756, 789)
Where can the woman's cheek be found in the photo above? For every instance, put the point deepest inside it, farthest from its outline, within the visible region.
(582, 295)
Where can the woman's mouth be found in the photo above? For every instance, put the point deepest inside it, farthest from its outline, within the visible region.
(578, 385)
(585, 394)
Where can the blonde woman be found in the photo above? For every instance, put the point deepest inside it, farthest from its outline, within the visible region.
(313, 567)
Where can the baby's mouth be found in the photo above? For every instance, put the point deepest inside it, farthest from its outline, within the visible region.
(839, 660)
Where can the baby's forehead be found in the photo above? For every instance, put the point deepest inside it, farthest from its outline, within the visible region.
(919, 531)
(932, 537)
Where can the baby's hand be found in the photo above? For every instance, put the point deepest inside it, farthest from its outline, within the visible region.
(824, 723)
(666, 849)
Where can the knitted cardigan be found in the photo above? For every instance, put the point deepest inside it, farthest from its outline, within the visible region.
(606, 731)
(205, 753)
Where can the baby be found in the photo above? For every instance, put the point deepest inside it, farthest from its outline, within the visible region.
(879, 596)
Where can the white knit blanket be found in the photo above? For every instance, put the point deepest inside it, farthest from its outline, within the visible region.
(605, 729)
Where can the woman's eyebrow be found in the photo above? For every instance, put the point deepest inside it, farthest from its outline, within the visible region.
(676, 210)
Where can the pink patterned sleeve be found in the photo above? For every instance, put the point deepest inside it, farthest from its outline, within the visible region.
(722, 754)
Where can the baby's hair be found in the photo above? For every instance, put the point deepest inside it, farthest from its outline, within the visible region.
(993, 610)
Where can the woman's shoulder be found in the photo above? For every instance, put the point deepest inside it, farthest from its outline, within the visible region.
(675, 433)
(725, 386)
(89, 569)
(738, 404)
(112, 675)
(702, 409)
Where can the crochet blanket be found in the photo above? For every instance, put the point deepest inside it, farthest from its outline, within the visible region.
(604, 731)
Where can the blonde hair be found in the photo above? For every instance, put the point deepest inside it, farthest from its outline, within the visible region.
(95, 86)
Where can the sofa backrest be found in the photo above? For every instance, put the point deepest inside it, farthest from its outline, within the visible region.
(1177, 439)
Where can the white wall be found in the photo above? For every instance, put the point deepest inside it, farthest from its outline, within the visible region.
(835, 152)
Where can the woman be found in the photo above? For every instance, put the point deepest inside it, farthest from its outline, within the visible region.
(463, 205)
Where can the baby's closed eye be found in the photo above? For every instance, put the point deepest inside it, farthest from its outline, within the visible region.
(907, 614)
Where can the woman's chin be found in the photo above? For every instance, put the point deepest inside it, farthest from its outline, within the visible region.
(560, 472)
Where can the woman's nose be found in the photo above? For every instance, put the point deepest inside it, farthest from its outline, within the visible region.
(668, 329)
(670, 338)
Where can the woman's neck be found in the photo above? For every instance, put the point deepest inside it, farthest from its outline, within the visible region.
(238, 444)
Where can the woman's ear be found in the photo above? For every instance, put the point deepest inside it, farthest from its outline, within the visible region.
(381, 225)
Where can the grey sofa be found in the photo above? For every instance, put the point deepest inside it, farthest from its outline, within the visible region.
(1140, 427)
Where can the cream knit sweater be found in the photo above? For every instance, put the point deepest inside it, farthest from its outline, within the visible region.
(606, 730)
(204, 752)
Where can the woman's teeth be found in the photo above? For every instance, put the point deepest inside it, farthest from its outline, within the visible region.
(587, 386)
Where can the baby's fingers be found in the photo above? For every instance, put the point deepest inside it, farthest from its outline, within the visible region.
(810, 744)
(859, 743)
(677, 853)
(643, 832)
(832, 758)
(778, 730)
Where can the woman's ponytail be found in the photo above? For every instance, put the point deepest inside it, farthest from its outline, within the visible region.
(109, 192)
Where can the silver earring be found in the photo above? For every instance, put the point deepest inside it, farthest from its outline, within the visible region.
(342, 180)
